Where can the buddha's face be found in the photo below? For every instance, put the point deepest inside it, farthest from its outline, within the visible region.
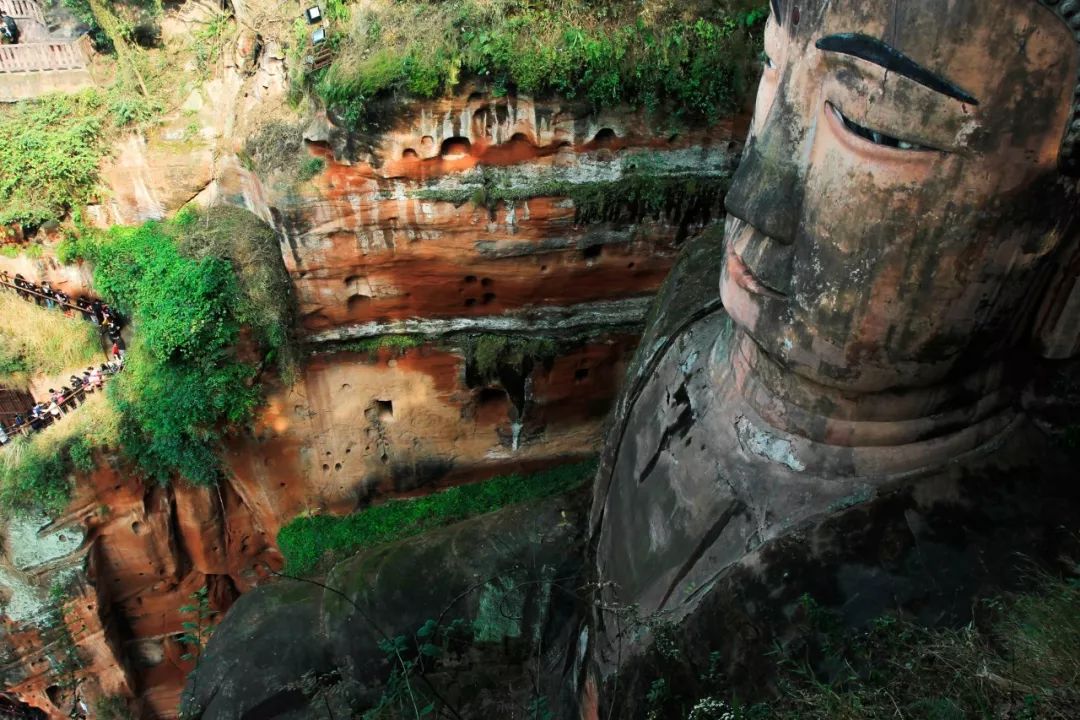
(900, 198)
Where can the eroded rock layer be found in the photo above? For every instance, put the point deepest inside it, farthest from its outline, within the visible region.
(474, 220)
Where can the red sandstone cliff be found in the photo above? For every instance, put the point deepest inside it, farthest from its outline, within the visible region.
(372, 250)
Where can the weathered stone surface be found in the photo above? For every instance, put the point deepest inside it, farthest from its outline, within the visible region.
(880, 276)
(510, 575)
(928, 550)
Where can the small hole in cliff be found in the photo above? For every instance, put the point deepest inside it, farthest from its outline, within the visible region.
(347, 386)
(337, 466)
(592, 252)
(543, 268)
(470, 278)
(53, 691)
(605, 137)
(488, 298)
(630, 265)
(282, 485)
(136, 527)
(469, 302)
(486, 282)
(795, 15)
(325, 467)
(410, 154)
(427, 141)
(581, 374)
(384, 410)
(520, 139)
(356, 301)
(732, 146)
(455, 148)
(673, 137)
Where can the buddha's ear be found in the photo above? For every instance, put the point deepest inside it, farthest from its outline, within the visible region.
(1057, 334)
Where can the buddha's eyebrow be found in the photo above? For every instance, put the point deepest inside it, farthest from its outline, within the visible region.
(873, 50)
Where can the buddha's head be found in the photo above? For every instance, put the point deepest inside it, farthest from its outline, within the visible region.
(906, 186)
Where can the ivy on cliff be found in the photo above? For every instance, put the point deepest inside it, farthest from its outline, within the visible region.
(690, 58)
(185, 385)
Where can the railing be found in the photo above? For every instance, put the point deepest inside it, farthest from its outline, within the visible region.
(71, 400)
(77, 395)
(47, 298)
(41, 57)
(23, 9)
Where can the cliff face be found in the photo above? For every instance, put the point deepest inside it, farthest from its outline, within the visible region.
(473, 220)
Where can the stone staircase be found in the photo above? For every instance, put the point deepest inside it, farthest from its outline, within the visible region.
(40, 63)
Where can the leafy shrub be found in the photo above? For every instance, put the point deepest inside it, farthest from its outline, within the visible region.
(184, 386)
(308, 540)
(309, 168)
(50, 149)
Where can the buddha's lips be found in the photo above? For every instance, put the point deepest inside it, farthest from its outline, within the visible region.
(741, 275)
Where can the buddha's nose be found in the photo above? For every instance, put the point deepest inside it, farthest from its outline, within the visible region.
(766, 190)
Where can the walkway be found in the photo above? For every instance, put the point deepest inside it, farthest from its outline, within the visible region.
(40, 63)
(109, 325)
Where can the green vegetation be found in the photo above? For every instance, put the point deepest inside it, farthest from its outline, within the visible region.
(486, 353)
(279, 147)
(39, 340)
(197, 629)
(308, 541)
(372, 345)
(64, 658)
(50, 149)
(112, 707)
(1019, 659)
(691, 58)
(35, 469)
(681, 198)
(184, 386)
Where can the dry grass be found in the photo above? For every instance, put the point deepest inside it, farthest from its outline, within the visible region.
(35, 471)
(35, 340)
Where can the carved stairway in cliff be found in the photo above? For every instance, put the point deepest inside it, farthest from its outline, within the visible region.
(40, 63)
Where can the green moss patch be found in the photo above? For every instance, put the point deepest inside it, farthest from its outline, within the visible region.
(309, 542)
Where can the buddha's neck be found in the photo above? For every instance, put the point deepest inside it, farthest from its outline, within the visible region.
(828, 416)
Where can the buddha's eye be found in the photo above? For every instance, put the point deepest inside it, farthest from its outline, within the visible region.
(766, 61)
(878, 138)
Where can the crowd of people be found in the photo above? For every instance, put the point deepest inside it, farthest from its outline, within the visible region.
(44, 413)
(46, 296)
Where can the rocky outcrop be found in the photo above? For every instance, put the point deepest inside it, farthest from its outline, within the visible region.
(111, 576)
(479, 616)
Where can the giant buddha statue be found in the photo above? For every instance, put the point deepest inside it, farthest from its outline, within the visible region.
(900, 247)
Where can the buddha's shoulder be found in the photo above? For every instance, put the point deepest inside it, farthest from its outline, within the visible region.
(686, 316)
